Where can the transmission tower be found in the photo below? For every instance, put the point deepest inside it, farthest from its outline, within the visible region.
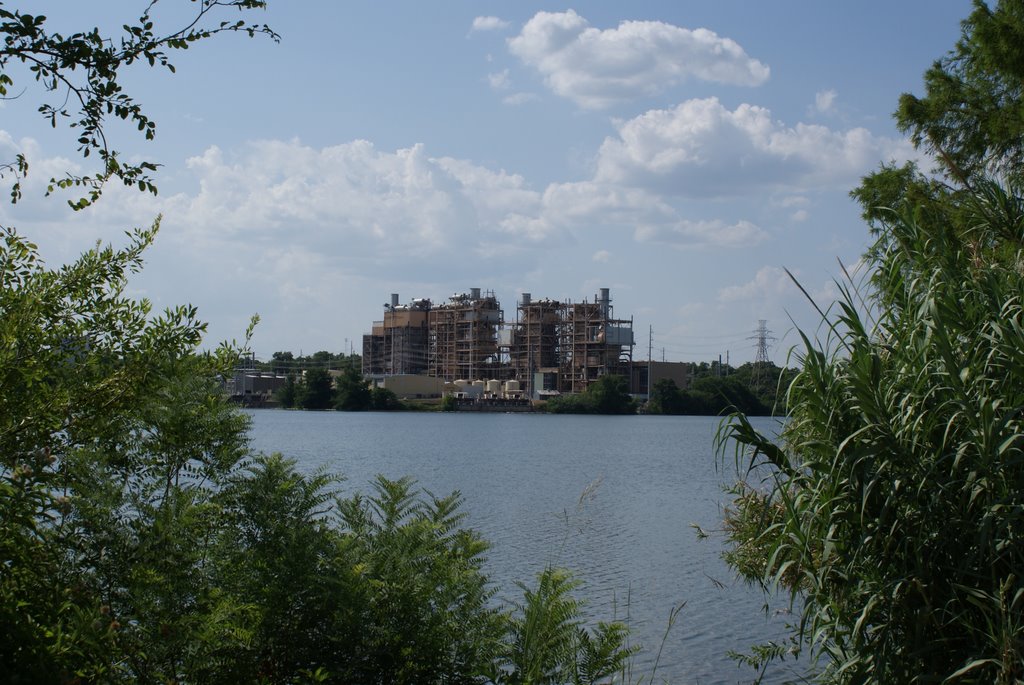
(763, 338)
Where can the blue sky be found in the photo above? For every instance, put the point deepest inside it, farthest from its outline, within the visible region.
(680, 153)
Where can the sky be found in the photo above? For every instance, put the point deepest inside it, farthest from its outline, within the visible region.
(684, 154)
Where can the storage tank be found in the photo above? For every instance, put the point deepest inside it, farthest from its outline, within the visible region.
(511, 386)
(494, 387)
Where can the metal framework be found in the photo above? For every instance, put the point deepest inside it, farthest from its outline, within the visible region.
(593, 343)
(571, 344)
(462, 337)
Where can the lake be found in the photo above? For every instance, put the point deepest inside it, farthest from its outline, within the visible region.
(614, 498)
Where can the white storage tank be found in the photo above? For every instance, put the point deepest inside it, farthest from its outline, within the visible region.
(511, 386)
(493, 387)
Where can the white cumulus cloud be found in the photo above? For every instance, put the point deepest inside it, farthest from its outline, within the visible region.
(598, 68)
(488, 24)
(768, 282)
(698, 233)
(702, 149)
(520, 98)
(825, 101)
(353, 198)
(499, 80)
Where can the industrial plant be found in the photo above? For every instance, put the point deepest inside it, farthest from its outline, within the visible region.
(549, 347)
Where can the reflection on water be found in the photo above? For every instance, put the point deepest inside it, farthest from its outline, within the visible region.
(614, 499)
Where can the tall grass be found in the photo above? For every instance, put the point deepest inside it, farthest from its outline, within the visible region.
(895, 506)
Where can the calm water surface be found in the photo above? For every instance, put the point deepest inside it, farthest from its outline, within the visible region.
(613, 498)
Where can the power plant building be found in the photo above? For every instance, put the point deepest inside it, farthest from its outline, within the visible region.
(551, 347)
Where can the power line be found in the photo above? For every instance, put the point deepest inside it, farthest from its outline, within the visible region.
(763, 338)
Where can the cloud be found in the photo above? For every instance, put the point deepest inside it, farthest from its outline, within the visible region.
(500, 80)
(792, 201)
(825, 101)
(520, 98)
(702, 149)
(599, 68)
(586, 204)
(769, 282)
(700, 233)
(601, 256)
(488, 24)
(364, 203)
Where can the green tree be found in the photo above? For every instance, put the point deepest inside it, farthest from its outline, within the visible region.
(282, 362)
(316, 390)
(288, 394)
(607, 395)
(82, 71)
(384, 400)
(972, 114)
(721, 394)
(610, 395)
(893, 512)
(110, 427)
(548, 644)
(665, 398)
(353, 391)
(419, 608)
(139, 540)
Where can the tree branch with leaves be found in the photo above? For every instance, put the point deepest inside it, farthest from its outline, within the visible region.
(82, 71)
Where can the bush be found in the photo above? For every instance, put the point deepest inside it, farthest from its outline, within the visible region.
(894, 506)
(607, 395)
(899, 490)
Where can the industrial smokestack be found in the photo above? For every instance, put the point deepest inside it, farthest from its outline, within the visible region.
(394, 300)
(605, 302)
(526, 299)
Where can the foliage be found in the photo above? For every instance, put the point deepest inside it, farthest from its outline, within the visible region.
(353, 392)
(754, 389)
(383, 399)
(139, 539)
(972, 114)
(548, 643)
(316, 391)
(82, 71)
(419, 610)
(607, 395)
(893, 506)
(286, 362)
(449, 403)
(288, 394)
(349, 391)
(111, 428)
(141, 543)
(667, 398)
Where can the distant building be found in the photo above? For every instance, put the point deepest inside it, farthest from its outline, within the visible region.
(551, 347)
(646, 374)
(249, 387)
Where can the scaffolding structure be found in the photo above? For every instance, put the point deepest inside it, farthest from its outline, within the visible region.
(462, 338)
(593, 343)
(397, 344)
(552, 346)
(534, 343)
